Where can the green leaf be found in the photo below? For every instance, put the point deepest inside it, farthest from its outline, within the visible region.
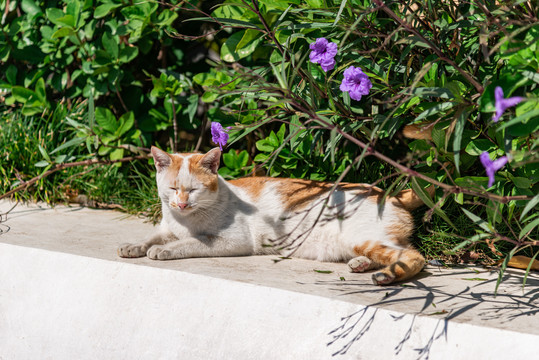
(442, 107)
(424, 196)
(457, 136)
(243, 159)
(63, 32)
(192, 107)
(60, 159)
(228, 159)
(73, 142)
(341, 8)
(117, 154)
(67, 20)
(22, 94)
(527, 123)
(30, 7)
(531, 75)
(106, 119)
(478, 146)
(478, 221)
(40, 90)
(53, 14)
(128, 54)
(323, 271)
(248, 43)
(91, 111)
(110, 45)
(263, 145)
(530, 205)
(126, 122)
(11, 74)
(439, 92)
(44, 153)
(42, 163)
(104, 9)
(475, 279)
(228, 49)
(529, 227)
(521, 182)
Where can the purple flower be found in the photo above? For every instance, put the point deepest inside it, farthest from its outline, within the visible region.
(323, 53)
(502, 104)
(492, 166)
(356, 82)
(218, 134)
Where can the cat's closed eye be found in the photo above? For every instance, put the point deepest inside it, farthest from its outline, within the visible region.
(173, 188)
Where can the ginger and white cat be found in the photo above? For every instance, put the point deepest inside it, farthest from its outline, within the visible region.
(206, 216)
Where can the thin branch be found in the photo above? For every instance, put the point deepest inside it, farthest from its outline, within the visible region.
(59, 167)
(438, 52)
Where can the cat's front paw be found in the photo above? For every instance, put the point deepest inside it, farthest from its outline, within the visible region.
(360, 264)
(132, 250)
(158, 252)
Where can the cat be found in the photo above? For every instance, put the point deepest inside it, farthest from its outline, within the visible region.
(206, 216)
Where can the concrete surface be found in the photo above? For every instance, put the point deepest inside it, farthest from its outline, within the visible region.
(65, 294)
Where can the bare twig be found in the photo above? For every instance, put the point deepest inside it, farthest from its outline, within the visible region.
(59, 167)
(438, 52)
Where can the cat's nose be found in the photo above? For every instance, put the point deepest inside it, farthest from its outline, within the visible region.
(182, 205)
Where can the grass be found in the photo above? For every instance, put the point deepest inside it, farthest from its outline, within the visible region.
(130, 187)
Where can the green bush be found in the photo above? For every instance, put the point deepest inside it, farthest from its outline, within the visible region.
(437, 65)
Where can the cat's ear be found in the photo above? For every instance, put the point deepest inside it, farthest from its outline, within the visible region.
(161, 158)
(211, 160)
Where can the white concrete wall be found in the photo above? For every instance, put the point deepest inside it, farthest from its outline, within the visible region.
(61, 306)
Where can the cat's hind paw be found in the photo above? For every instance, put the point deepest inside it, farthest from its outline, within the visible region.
(132, 250)
(159, 252)
(380, 278)
(360, 264)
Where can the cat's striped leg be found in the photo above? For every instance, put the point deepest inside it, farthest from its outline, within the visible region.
(398, 263)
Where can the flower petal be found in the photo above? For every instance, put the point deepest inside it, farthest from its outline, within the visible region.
(355, 94)
(332, 49)
(485, 159)
(499, 163)
(510, 102)
(498, 93)
(327, 64)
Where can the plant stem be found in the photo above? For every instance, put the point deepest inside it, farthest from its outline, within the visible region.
(59, 167)
(438, 52)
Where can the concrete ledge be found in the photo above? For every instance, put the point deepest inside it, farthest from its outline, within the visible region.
(64, 294)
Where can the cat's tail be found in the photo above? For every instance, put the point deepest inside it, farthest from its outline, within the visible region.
(409, 199)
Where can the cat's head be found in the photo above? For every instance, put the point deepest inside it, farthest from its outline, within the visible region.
(187, 182)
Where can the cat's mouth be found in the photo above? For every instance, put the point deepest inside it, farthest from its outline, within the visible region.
(182, 207)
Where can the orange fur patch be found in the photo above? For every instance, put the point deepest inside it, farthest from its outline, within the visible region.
(204, 175)
(173, 169)
(382, 254)
(407, 263)
(184, 195)
(401, 230)
(361, 250)
(298, 193)
(252, 185)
